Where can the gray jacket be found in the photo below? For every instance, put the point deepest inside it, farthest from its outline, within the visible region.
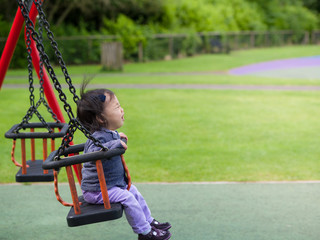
(113, 168)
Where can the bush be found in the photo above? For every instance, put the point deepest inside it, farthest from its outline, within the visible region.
(287, 15)
(295, 18)
(191, 44)
(218, 15)
(127, 32)
(134, 22)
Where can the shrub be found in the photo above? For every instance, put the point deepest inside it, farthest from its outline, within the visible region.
(127, 32)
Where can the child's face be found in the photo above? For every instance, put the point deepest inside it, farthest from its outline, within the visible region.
(113, 113)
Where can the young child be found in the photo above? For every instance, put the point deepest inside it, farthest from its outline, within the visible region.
(100, 112)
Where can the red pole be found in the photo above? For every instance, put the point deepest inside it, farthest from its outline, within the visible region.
(10, 45)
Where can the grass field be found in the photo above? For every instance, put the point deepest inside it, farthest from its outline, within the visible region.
(201, 135)
(205, 65)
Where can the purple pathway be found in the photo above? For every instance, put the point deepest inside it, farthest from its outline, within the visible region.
(276, 65)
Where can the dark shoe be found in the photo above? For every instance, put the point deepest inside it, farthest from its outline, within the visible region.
(155, 234)
(161, 226)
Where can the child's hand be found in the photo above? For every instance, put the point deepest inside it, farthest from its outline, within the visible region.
(124, 145)
(122, 135)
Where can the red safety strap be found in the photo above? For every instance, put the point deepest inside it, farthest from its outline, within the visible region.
(127, 172)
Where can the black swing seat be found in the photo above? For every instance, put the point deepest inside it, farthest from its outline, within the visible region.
(35, 170)
(34, 173)
(92, 213)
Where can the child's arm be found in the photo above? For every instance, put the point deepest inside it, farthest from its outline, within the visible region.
(108, 142)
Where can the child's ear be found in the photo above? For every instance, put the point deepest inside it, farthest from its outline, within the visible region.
(100, 120)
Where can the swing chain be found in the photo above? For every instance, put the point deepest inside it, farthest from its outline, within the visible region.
(44, 56)
(33, 109)
(54, 45)
(31, 88)
(73, 121)
(74, 124)
(89, 136)
(41, 74)
(67, 139)
(46, 61)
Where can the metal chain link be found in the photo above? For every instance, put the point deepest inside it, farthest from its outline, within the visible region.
(45, 59)
(30, 76)
(89, 135)
(33, 109)
(74, 123)
(41, 74)
(67, 139)
(54, 45)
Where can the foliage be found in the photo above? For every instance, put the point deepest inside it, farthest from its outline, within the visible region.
(135, 21)
(296, 19)
(202, 15)
(312, 5)
(216, 15)
(140, 11)
(287, 14)
(190, 44)
(8, 10)
(127, 32)
(19, 59)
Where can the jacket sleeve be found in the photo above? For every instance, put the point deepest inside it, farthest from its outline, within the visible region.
(106, 140)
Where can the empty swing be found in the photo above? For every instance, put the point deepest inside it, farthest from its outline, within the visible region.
(66, 156)
(31, 170)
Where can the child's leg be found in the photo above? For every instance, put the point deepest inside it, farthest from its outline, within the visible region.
(135, 213)
(142, 203)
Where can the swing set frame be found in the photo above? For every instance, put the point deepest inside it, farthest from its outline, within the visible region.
(8, 52)
(81, 213)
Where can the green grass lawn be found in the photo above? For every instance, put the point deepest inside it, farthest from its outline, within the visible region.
(225, 62)
(138, 73)
(203, 135)
(188, 135)
(199, 135)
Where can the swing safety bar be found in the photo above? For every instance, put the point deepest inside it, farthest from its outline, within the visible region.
(52, 163)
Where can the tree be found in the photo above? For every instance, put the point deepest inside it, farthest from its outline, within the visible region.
(313, 5)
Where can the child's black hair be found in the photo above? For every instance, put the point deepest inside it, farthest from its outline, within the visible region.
(90, 107)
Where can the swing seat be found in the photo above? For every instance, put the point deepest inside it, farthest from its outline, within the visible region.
(89, 213)
(34, 173)
(93, 213)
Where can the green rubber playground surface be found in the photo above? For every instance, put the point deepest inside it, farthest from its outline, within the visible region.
(231, 211)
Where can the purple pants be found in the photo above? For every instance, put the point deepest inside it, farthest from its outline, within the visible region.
(135, 207)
